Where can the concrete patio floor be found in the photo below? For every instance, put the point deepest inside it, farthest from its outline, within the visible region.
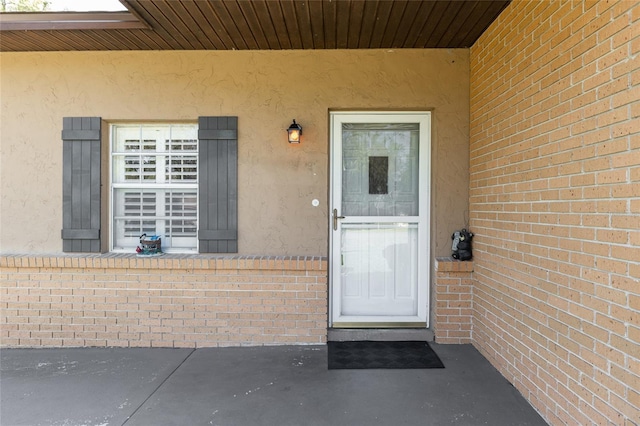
(281, 385)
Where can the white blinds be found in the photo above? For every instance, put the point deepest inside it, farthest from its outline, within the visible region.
(154, 185)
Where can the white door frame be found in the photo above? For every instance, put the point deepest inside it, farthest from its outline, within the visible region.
(423, 220)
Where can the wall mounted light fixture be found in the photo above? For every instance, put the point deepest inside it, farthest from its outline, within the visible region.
(294, 131)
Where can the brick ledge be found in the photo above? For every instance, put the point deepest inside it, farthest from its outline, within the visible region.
(166, 261)
(449, 264)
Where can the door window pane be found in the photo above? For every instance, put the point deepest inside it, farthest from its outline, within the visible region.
(378, 175)
(379, 269)
(380, 169)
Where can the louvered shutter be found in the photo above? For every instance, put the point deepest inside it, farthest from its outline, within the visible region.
(218, 184)
(81, 184)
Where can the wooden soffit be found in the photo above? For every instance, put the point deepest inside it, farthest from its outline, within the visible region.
(254, 25)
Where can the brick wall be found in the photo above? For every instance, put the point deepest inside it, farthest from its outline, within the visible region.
(161, 302)
(453, 301)
(555, 205)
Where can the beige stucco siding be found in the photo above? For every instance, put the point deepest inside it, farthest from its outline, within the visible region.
(266, 90)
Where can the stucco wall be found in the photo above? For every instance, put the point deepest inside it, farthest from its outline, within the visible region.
(555, 206)
(266, 90)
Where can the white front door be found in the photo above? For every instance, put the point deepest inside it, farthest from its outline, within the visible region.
(379, 232)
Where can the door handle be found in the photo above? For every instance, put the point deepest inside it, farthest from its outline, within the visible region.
(335, 219)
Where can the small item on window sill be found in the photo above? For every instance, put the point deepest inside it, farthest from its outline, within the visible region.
(149, 246)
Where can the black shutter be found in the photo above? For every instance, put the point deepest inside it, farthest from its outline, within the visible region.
(81, 184)
(218, 184)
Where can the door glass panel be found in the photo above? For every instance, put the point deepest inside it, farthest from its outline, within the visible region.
(379, 269)
(378, 175)
(380, 169)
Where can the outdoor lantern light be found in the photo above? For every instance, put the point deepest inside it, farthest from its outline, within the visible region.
(294, 131)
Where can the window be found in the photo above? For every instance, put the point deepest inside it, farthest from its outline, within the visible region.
(154, 185)
(177, 181)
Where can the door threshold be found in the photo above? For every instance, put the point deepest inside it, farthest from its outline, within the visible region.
(380, 334)
(379, 325)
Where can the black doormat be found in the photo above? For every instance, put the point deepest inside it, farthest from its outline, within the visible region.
(370, 355)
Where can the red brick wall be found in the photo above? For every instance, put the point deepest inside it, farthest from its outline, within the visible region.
(163, 302)
(555, 205)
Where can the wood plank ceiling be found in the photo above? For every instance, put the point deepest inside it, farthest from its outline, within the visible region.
(265, 25)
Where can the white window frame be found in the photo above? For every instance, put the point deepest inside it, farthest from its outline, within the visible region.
(168, 244)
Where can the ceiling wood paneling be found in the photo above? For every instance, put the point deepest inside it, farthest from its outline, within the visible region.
(267, 25)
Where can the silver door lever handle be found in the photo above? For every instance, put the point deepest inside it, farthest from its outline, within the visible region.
(335, 219)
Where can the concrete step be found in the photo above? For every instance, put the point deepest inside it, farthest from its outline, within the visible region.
(380, 334)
